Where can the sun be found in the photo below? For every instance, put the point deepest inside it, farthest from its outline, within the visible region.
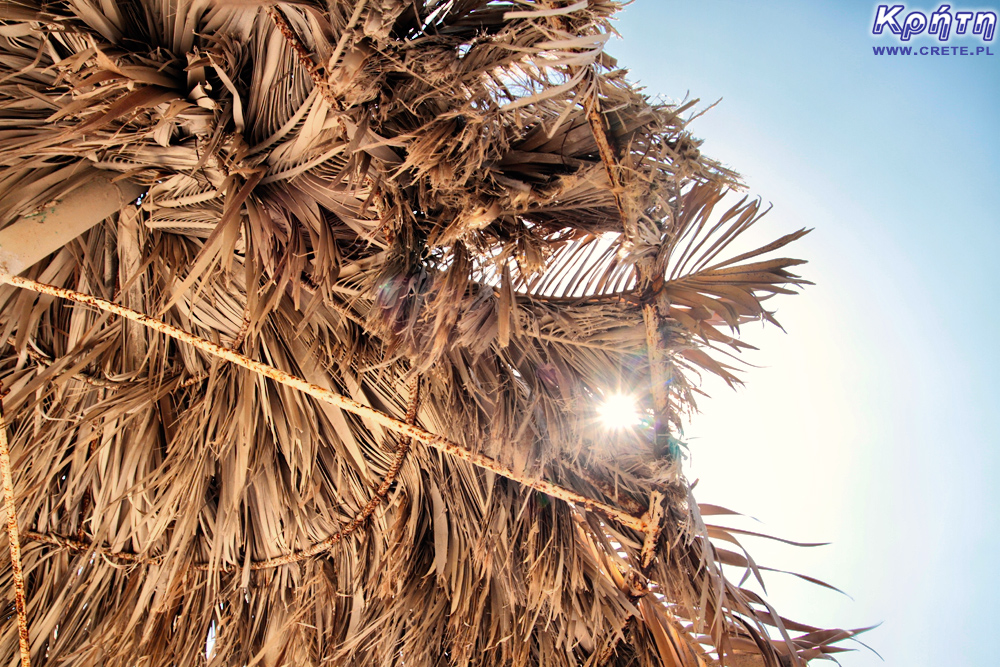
(618, 411)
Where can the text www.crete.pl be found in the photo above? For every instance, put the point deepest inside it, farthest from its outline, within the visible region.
(932, 51)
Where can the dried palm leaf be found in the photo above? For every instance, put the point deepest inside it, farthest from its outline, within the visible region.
(286, 215)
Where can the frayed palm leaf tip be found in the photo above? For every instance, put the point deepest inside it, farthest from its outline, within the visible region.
(309, 311)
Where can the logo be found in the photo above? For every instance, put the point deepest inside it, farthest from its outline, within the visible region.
(943, 22)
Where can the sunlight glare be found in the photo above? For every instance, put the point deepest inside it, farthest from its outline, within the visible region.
(618, 411)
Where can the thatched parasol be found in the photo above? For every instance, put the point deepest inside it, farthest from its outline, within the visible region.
(308, 311)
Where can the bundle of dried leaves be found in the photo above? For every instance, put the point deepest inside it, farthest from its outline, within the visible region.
(464, 196)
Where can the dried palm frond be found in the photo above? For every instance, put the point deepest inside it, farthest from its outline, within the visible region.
(238, 240)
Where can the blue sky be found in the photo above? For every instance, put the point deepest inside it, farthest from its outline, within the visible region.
(872, 422)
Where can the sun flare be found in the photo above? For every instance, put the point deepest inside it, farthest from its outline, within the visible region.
(618, 411)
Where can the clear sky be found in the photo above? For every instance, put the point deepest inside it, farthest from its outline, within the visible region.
(873, 423)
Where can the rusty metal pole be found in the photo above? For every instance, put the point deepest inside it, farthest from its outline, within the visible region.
(14, 540)
(654, 314)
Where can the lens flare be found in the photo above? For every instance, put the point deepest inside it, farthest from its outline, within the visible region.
(618, 411)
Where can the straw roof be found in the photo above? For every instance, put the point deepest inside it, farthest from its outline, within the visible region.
(307, 313)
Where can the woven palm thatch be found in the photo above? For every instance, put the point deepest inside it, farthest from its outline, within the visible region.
(308, 311)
